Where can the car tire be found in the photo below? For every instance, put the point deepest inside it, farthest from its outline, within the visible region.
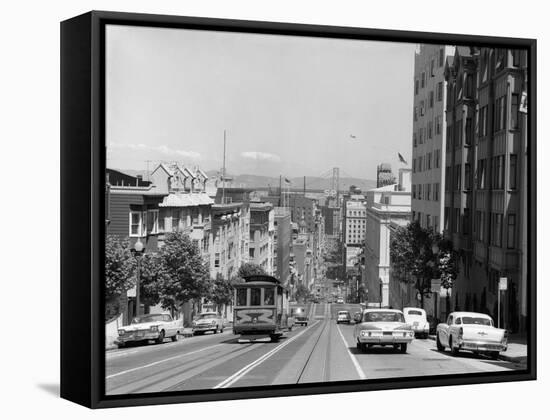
(364, 348)
(403, 348)
(160, 338)
(175, 336)
(358, 345)
(121, 345)
(396, 346)
(221, 331)
(440, 347)
(494, 355)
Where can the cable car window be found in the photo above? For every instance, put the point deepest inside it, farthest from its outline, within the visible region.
(241, 297)
(255, 297)
(269, 296)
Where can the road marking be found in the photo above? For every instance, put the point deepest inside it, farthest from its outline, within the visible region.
(352, 356)
(160, 361)
(239, 374)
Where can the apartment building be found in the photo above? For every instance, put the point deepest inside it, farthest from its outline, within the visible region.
(486, 179)
(429, 135)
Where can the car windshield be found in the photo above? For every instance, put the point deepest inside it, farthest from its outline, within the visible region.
(476, 321)
(298, 311)
(206, 316)
(147, 318)
(343, 313)
(414, 312)
(383, 317)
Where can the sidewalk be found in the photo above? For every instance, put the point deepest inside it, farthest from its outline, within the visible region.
(516, 351)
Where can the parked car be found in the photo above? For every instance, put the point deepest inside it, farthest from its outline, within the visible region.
(383, 327)
(299, 315)
(416, 317)
(357, 317)
(207, 321)
(340, 300)
(343, 316)
(149, 327)
(471, 331)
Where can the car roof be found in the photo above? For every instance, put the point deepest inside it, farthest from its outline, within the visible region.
(383, 310)
(476, 314)
(405, 310)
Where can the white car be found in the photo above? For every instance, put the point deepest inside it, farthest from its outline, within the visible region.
(383, 327)
(343, 316)
(471, 331)
(149, 327)
(416, 317)
(207, 321)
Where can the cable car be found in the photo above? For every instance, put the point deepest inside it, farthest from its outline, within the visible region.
(261, 309)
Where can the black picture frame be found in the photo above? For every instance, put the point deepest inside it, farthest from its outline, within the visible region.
(82, 207)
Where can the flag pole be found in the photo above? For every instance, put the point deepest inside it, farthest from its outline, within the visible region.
(223, 170)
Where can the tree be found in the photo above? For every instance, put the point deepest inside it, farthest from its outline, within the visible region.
(119, 272)
(151, 275)
(183, 273)
(302, 293)
(220, 291)
(413, 259)
(250, 269)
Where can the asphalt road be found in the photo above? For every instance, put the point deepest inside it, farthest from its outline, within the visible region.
(322, 351)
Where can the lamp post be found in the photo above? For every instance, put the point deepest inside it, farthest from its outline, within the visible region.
(435, 251)
(138, 251)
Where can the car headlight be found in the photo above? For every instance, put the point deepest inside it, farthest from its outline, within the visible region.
(121, 332)
(154, 328)
(194, 324)
(364, 333)
(213, 322)
(411, 333)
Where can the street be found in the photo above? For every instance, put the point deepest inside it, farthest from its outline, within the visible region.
(322, 351)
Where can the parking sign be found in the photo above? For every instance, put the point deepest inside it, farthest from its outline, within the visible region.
(503, 283)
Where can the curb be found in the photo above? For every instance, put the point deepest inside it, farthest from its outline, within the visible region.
(506, 358)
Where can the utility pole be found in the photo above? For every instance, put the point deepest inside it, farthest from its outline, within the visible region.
(304, 186)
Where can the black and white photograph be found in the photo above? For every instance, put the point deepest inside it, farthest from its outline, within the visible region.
(293, 210)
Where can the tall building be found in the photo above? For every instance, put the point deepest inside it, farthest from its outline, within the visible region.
(384, 175)
(429, 134)
(282, 243)
(386, 206)
(262, 231)
(486, 179)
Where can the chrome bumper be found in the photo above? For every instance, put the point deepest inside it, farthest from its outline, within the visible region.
(481, 346)
(149, 335)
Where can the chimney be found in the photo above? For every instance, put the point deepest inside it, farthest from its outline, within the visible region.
(139, 178)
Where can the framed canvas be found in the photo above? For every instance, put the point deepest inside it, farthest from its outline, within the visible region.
(258, 209)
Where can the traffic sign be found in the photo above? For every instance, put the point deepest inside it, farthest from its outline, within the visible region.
(503, 283)
(435, 285)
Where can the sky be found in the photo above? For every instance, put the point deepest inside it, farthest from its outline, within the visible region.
(290, 106)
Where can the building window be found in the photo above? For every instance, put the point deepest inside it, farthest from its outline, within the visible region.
(429, 161)
(466, 222)
(498, 173)
(422, 109)
(420, 164)
(481, 173)
(513, 172)
(441, 57)
(469, 85)
(431, 98)
(500, 114)
(153, 221)
(456, 221)
(414, 139)
(439, 91)
(428, 191)
(446, 215)
(516, 58)
(136, 226)
(437, 158)
(480, 225)
(496, 229)
(511, 235)
(217, 259)
(436, 191)
(469, 131)
(432, 68)
(430, 129)
(514, 116)
(423, 80)
(416, 87)
(457, 184)
(428, 221)
(458, 134)
(414, 192)
(467, 175)
(483, 121)
(175, 219)
(449, 138)
(420, 191)
(447, 178)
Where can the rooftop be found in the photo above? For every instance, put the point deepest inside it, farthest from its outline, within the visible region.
(186, 200)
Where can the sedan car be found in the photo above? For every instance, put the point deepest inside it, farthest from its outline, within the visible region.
(471, 331)
(416, 317)
(343, 316)
(207, 321)
(383, 327)
(149, 327)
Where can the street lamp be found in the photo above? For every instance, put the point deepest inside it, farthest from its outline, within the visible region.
(138, 251)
